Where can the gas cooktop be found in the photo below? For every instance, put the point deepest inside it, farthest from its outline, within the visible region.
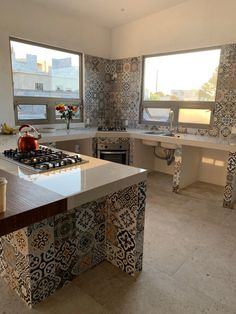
(43, 159)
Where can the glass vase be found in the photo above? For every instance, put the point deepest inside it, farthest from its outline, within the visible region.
(68, 123)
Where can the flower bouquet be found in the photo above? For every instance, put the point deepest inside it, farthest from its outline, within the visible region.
(67, 112)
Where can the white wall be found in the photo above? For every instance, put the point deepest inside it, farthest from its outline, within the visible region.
(213, 166)
(22, 19)
(199, 164)
(143, 156)
(191, 24)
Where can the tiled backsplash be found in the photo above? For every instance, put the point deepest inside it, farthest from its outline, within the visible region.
(225, 111)
(97, 87)
(113, 91)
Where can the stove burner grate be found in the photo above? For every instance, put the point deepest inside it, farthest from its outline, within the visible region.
(43, 159)
(111, 129)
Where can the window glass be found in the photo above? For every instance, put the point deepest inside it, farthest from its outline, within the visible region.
(195, 116)
(156, 114)
(31, 112)
(190, 76)
(44, 72)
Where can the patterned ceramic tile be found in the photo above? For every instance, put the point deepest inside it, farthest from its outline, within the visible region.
(125, 260)
(84, 218)
(141, 206)
(230, 178)
(15, 268)
(98, 253)
(177, 170)
(85, 242)
(122, 208)
(64, 227)
(111, 234)
(65, 253)
(99, 234)
(44, 288)
(41, 265)
(41, 239)
(24, 290)
(21, 241)
(126, 240)
(111, 252)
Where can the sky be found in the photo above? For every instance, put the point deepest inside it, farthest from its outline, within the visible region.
(44, 54)
(182, 71)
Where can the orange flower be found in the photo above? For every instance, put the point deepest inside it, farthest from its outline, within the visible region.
(60, 108)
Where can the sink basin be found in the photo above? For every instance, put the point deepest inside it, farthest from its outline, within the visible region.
(155, 132)
(153, 143)
(162, 133)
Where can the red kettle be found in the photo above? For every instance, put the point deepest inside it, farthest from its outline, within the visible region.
(27, 142)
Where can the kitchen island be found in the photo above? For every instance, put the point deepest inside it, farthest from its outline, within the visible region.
(61, 223)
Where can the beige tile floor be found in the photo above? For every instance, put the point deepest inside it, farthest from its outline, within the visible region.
(189, 262)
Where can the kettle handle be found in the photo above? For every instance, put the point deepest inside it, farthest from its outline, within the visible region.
(30, 126)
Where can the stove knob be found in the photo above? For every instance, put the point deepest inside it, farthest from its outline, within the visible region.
(63, 163)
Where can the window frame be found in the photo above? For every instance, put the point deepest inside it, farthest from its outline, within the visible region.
(51, 102)
(174, 104)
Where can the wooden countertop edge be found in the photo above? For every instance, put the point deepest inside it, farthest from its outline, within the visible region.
(23, 219)
(27, 204)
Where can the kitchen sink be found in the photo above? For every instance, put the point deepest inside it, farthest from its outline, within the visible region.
(154, 132)
(159, 143)
(162, 133)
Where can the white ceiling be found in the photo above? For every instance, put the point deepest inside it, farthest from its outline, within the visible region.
(109, 13)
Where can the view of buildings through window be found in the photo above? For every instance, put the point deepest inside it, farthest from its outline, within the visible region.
(190, 76)
(32, 112)
(42, 72)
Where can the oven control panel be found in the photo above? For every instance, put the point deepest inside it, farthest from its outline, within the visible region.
(113, 146)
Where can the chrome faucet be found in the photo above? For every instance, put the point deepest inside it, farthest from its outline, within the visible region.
(170, 120)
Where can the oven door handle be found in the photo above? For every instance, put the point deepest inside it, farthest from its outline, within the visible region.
(112, 153)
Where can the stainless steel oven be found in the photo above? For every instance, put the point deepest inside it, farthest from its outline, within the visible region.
(114, 152)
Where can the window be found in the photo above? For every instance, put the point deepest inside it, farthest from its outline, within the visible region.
(43, 77)
(156, 114)
(183, 82)
(39, 86)
(196, 116)
(31, 112)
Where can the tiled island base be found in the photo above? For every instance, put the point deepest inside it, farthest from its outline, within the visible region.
(43, 257)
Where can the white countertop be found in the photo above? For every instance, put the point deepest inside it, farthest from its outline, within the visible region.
(188, 140)
(9, 141)
(81, 183)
